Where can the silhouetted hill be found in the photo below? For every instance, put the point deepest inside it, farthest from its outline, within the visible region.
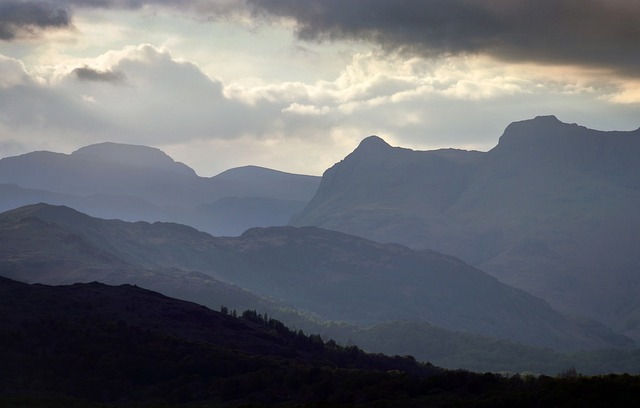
(139, 183)
(128, 345)
(333, 275)
(97, 345)
(552, 209)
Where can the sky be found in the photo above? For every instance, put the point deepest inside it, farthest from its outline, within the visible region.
(295, 85)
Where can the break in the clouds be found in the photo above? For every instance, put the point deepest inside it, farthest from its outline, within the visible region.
(601, 33)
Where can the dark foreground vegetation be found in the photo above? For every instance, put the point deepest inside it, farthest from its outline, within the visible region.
(100, 346)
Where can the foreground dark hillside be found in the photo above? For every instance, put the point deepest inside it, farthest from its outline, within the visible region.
(98, 345)
(105, 343)
(333, 275)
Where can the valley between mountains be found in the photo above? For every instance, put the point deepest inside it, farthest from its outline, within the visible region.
(523, 258)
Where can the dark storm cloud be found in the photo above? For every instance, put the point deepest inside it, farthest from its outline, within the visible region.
(90, 74)
(208, 6)
(597, 33)
(28, 18)
(603, 33)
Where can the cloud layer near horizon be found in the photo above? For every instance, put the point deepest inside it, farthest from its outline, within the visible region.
(144, 95)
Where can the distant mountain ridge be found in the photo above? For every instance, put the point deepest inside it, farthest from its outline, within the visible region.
(134, 183)
(551, 209)
(133, 155)
(330, 274)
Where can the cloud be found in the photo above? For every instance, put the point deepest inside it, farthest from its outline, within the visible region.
(595, 33)
(12, 72)
(603, 33)
(169, 102)
(163, 100)
(28, 18)
(305, 110)
(90, 74)
(455, 101)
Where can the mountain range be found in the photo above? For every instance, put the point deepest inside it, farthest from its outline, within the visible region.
(331, 275)
(552, 209)
(139, 183)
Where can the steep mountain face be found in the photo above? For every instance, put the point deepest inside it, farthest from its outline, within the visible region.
(551, 209)
(135, 183)
(333, 275)
(392, 194)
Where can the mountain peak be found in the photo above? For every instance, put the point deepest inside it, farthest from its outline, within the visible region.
(371, 148)
(46, 211)
(127, 154)
(548, 119)
(544, 123)
(539, 131)
(373, 142)
(256, 173)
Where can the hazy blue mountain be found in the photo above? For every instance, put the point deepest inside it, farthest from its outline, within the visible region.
(127, 208)
(133, 156)
(551, 209)
(330, 274)
(457, 350)
(107, 168)
(233, 215)
(255, 181)
(391, 194)
(43, 249)
(135, 183)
